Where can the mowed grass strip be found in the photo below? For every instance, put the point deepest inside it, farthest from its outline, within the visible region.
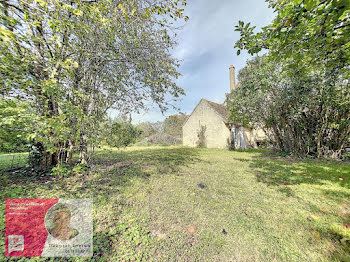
(13, 160)
(188, 204)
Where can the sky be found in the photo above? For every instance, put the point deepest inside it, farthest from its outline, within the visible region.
(206, 48)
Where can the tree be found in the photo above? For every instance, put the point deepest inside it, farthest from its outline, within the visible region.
(305, 34)
(121, 132)
(302, 115)
(150, 128)
(173, 125)
(161, 132)
(75, 60)
(15, 125)
(306, 73)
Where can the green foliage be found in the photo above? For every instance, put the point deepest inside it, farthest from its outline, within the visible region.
(122, 133)
(79, 168)
(36, 155)
(65, 170)
(306, 114)
(167, 132)
(15, 125)
(149, 129)
(173, 125)
(78, 59)
(157, 133)
(300, 91)
(306, 34)
(60, 170)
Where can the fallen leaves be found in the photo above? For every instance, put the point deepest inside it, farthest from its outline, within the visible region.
(191, 229)
(316, 234)
(312, 217)
(344, 214)
(344, 206)
(159, 234)
(324, 209)
(345, 211)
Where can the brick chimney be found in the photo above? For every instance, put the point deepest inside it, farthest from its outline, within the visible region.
(232, 78)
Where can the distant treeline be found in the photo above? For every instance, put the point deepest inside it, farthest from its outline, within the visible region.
(167, 132)
(16, 128)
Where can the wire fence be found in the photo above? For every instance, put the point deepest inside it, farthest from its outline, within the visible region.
(13, 160)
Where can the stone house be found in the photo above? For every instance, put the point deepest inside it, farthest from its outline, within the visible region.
(208, 125)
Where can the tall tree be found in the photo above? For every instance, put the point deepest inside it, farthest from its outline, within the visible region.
(75, 60)
(301, 87)
(301, 114)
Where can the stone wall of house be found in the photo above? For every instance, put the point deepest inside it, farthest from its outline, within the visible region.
(216, 135)
(252, 136)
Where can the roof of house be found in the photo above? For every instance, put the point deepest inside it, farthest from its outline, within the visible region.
(219, 109)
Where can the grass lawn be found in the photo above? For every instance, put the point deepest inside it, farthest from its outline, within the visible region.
(250, 206)
(12, 160)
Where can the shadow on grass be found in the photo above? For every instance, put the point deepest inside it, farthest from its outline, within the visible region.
(107, 182)
(286, 172)
(13, 180)
(115, 168)
(283, 174)
(113, 171)
(165, 160)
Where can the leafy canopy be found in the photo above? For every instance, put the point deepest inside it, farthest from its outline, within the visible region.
(76, 60)
(15, 125)
(299, 92)
(306, 33)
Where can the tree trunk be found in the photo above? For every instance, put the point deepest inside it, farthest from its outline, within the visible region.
(83, 150)
(40, 158)
(69, 158)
